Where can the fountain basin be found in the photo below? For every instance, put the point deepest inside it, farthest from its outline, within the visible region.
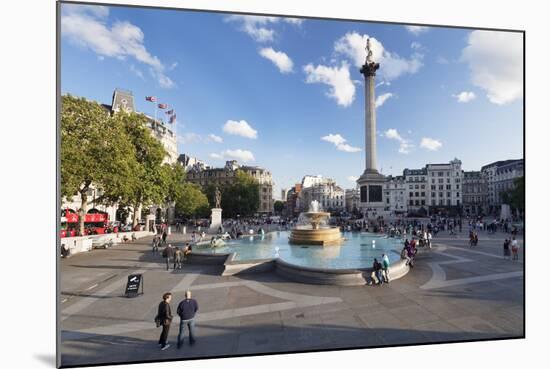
(320, 236)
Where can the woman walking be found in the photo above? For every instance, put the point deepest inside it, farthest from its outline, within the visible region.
(164, 319)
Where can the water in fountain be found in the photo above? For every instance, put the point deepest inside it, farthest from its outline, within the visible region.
(304, 219)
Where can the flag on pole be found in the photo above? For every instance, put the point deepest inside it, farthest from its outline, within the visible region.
(171, 111)
(162, 106)
(151, 98)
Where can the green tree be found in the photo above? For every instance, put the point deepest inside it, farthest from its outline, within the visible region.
(152, 179)
(95, 152)
(517, 194)
(278, 206)
(242, 196)
(191, 200)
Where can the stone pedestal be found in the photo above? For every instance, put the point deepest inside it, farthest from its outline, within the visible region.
(371, 190)
(215, 219)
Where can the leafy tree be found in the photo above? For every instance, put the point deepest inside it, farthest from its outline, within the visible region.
(191, 200)
(152, 179)
(278, 206)
(242, 196)
(517, 194)
(95, 152)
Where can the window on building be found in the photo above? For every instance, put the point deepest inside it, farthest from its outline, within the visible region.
(440, 187)
(423, 202)
(458, 187)
(423, 186)
(441, 194)
(448, 194)
(411, 202)
(458, 194)
(433, 202)
(410, 194)
(416, 202)
(440, 180)
(448, 180)
(423, 194)
(433, 180)
(433, 194)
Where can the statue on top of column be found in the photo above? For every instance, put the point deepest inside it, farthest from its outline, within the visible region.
(369, 51)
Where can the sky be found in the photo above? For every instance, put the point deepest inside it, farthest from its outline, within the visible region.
(286, 94)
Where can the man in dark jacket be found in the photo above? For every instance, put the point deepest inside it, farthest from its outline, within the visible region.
(187, 309)
(164, 317)
(168, 254)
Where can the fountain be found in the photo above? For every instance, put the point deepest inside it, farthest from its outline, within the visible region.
(312, 229)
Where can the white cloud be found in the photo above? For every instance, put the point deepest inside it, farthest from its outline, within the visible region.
(240, 128)
(416, 30)
(137, 71)
(340, 142)
(86, 26)
(405, 145)
(352, 178)
(279, 58)
(430, 144)
(381, 99)
(189, 138)
(214, 138)
(260, 27)
(392, 65)
(238, 154)
(465, 96)
(341, 89)
(173, 65)
(496, 64)
(416, 45)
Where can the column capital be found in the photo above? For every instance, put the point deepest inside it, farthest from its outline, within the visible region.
(369, 69)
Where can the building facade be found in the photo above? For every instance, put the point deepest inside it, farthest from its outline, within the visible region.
(474, 193)
(445, 186)
(324, 190)
(500, 177)
(351, 200)
(416, 182)
(395, 194)
(204, 176)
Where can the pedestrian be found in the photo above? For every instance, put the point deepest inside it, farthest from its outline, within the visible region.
(506, 247)
(429, 239)
(377, 271)
(515, 249)
(386, 267)
(164, 319)
(168, 254)
(187, 309)
(178, 258)
(155, 244)
(164, 235)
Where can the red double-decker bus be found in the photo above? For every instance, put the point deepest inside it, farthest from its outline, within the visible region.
(95, 222)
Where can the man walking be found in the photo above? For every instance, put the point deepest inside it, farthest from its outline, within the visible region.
(187, 309)
(168, 254)
(386, 267)
(164, 319)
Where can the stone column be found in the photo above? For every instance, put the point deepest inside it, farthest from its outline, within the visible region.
(370, 123)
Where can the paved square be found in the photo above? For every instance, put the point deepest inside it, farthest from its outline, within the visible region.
(453, 293)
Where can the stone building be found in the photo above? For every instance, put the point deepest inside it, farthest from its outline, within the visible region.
(351, 200)
(500, 177)
(474, 193)
(395, 194)
(415, 183)
(204, 176)
(445, 187)
(324, 190)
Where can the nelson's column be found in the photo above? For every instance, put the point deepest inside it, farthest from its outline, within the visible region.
(371, 182)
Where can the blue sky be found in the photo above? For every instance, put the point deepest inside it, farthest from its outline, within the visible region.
(286, 94)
